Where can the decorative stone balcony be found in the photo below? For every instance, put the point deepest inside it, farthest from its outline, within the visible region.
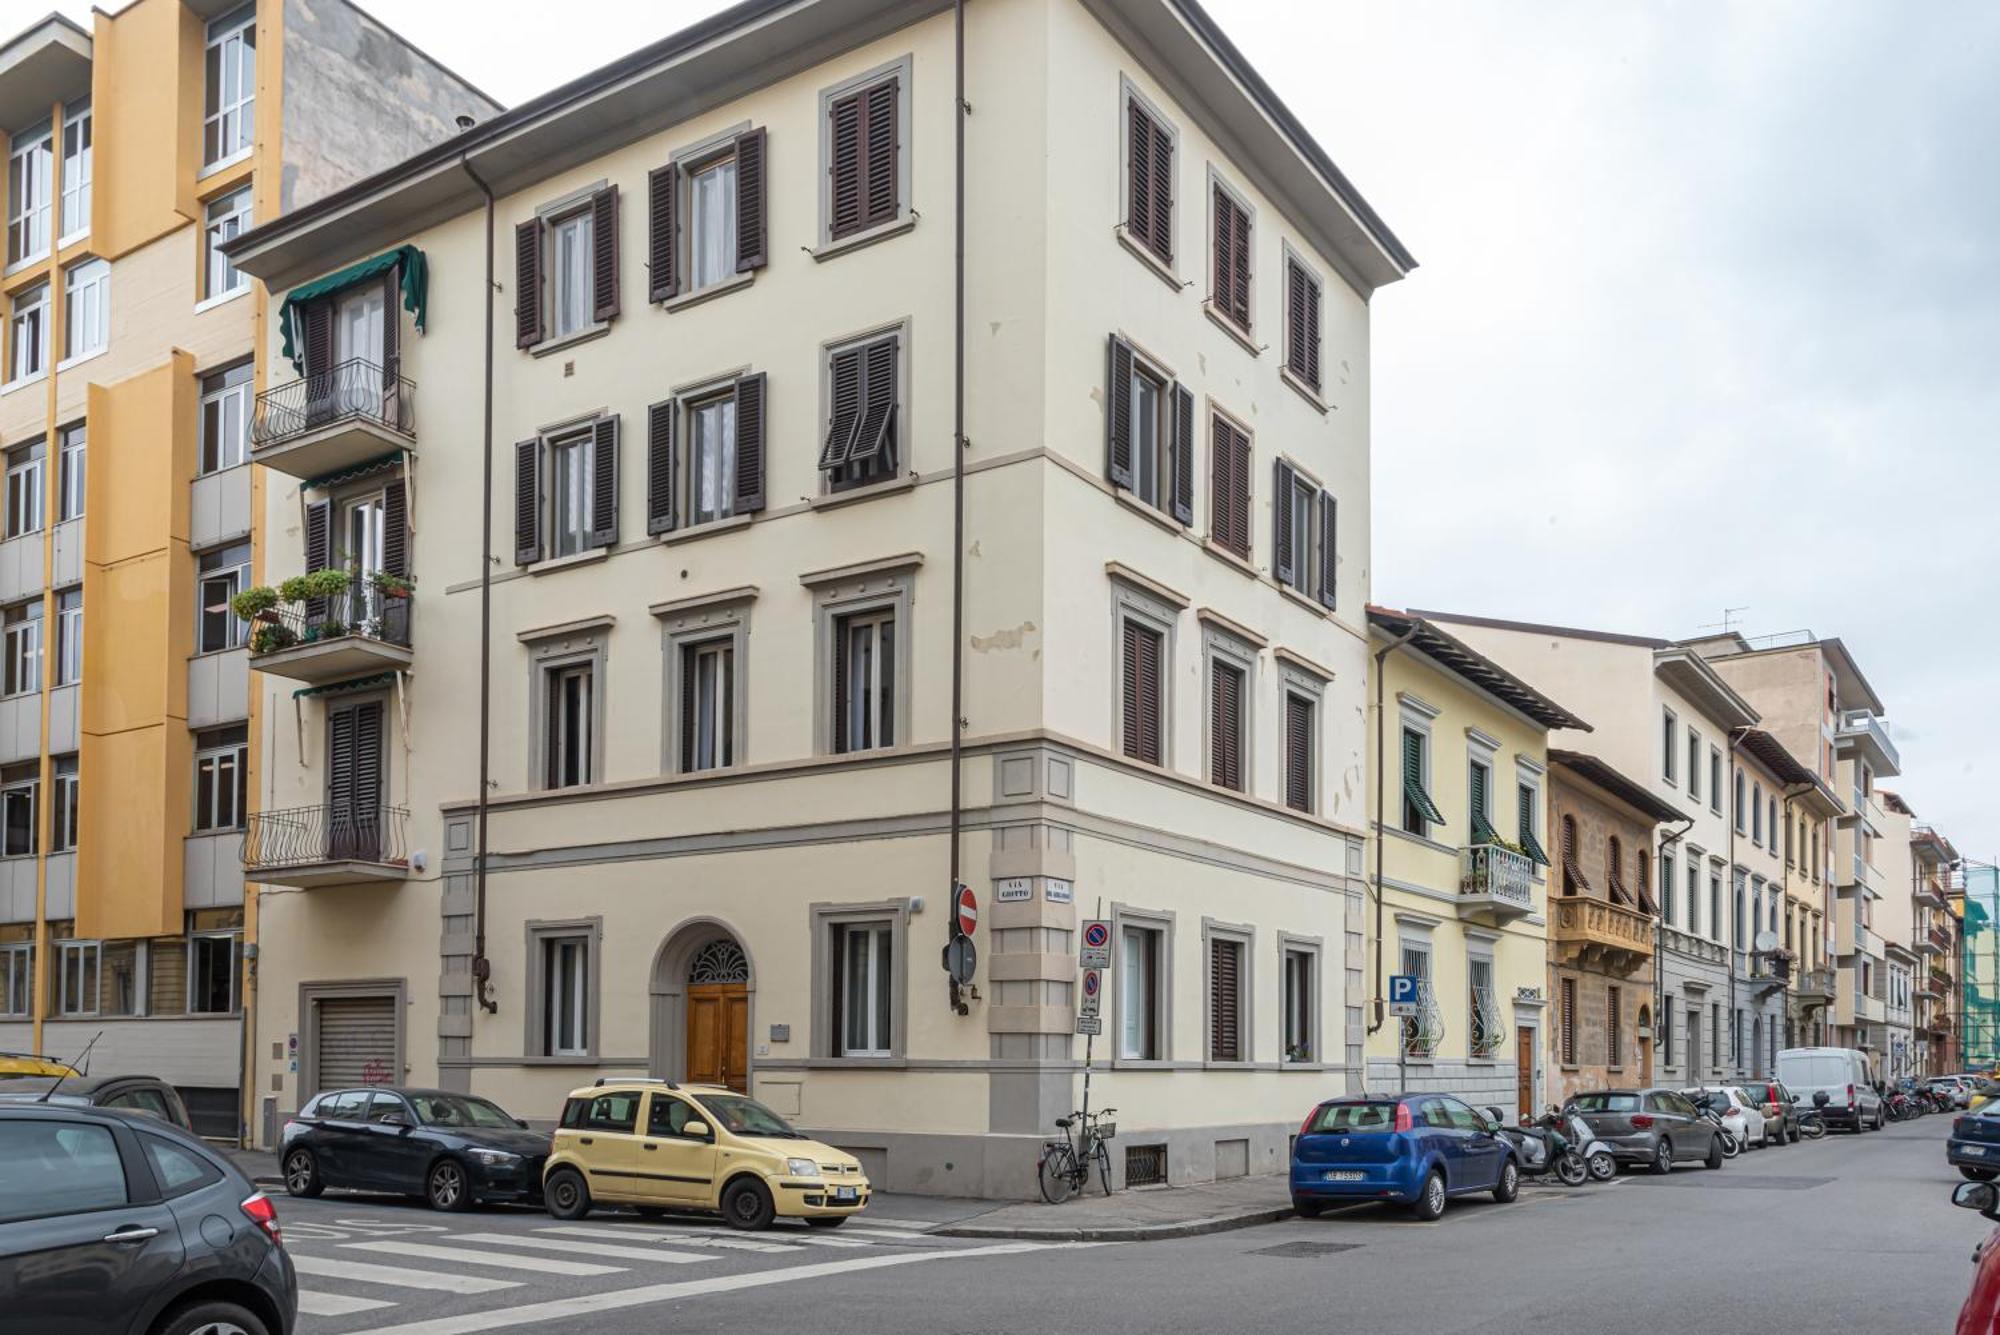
(1814, 987)
(1596, 933)
(1495, 884)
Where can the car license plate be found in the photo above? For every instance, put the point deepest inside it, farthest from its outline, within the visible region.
(844, 1194)
(1344, 1175)
(1979, 1150)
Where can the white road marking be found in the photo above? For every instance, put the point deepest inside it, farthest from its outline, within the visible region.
(639, 1232)
(868, 1217)
(334, 1267)
(886, 1234)
(814, 1240)
(472, 1323)
(540, 1265)
(336, 1304)
(583, 1248)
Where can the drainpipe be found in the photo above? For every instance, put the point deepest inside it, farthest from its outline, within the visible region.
(1375, 1009)
(1660, 1017)
(957, 479)
(482, 968)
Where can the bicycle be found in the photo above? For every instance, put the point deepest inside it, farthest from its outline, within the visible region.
(1064, 1166)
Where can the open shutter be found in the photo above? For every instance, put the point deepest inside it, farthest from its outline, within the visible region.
(366, 811)
(1477, 778)
(662, 238)
(1139, 173)
(1329, 551)
(876, 429)
(1284, 543)
(395, 529)
(1218, 481)
(881, 130)
(1118, 416)
(604, 482)
(1239, 266)
(1163, 194)
(687, 667)
(751, 214)
(604, 254)
(750, 444)
(1225, 1001)
(319, 553)
(527, 501)
(528, 284)
(1183, 453)
(1223, 261)
(660, 421)
(1298, 752)
(844, 376)
(317, 318)
(340, 761)
(844, 166)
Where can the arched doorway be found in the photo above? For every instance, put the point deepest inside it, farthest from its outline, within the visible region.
(702, 988)
(1645, 1045)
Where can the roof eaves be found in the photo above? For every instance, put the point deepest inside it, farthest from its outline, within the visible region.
(1474, 668)
(1541, 628)
(1613, 781)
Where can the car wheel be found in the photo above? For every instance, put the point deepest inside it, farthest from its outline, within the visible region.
(1765, 1143)
(1975, 1174)
(1509, 1185)
(1663, 1156)
(446, 1187)
(1429, 1204)
(211, 1318)
(1715, 1155)
(565, 1195)
(828, 1221)
(746, 1204)
(302, 1174)
(1306, 1209)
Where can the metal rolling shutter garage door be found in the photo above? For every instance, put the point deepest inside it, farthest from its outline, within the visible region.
(355, 1041)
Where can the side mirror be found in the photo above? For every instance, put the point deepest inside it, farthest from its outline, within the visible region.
(1494, 1114)
(521, 1122)
(1981, 1196)
(696, 1131)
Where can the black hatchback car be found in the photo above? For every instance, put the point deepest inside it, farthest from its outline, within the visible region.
(454, 1150)
(136, 1093)
(117, 1223)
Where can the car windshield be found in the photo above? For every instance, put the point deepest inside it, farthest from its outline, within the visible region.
(1618, 1103)
(1354, 1117)
(747, 1117)
(458, 1110)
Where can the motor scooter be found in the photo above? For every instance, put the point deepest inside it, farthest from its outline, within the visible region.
(1549, 1147)
(1597, 1155)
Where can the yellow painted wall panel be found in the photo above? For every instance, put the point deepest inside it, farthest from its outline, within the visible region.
(147, 140)
(129, 861)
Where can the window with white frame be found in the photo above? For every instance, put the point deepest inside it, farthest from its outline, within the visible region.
(225, 417)
(864, 989)
(708, 704)
(28, 334)
(1669, 889)
(76, 170)
(69, 636)
(227, 124)
(1141, 952)
(711, 194)
(1301, 986)
(225, 216)
(221, 574)
(565, 996)
(569, 741)
(572, 473)
(221, 768)
(1670, 744)
(21, 648)
(118, 967)
(71, 448)
(24, 488)
(30, 178)
(17, 978)
(20, 790)
(1757, 814)
(1694, 765)
(712, 457)
(1736, 806)
(570, 272)
(212, 973)
(864, 680)
(77, 965)
(86, 308)
(64, 820)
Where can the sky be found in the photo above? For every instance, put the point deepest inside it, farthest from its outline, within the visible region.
(1707, 318)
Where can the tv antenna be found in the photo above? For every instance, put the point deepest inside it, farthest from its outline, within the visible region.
(1729, 621)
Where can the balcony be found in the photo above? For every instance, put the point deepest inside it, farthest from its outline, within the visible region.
(1495, 884)
(1869, 1009)
(326, 845)
(333, 419)
(1863, 732)
(1934, 941)
(1596, 933)
(337, 638)
(1930, 892)
(1814, 987)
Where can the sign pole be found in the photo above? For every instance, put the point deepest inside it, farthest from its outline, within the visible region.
(1089, 1045)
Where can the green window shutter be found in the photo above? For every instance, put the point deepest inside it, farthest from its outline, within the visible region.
(1477, 779)
(1413, 780)
(1525, 806)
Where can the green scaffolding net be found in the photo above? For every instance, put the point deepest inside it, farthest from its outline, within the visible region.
(1979, 1019)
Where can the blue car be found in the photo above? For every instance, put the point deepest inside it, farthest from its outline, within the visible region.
(1420, 1149)
(1974, 1146)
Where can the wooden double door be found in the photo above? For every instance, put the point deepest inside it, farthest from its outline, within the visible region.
(718, 1035)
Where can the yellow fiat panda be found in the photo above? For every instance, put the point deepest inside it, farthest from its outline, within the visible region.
(659, 1147)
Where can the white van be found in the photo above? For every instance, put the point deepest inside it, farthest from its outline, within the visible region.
(1852, 1099)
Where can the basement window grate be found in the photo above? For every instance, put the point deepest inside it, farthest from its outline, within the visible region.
(1145, 1165)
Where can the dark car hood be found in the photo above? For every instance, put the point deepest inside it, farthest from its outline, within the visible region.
(512, 1139)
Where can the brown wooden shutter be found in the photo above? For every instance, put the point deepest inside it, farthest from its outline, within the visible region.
(1218, 481)
(844, 404)
(844, 166)
(1229, 508)
(687, 666)
(528, 284)
(395, 529)
(1302, 324)
(881, 201)
(1118, 415)
(1139, 173)
(1129, 672)
(1230, 282)
(604, 482)
(751, 212)
(750, 444)
(1284, 543)
(840, 684)
(319, 552)
(1329, 551)
(1225, 700)
(1298, 752)
(1312, 332)
(661, 419)
(875, 432)
(317, 318)
(527, 501)
(1163, 193)
(1240, 494)
(1141, 704)
(604, 254)
(1182, 450)
(663, 247)
(1225, 1000)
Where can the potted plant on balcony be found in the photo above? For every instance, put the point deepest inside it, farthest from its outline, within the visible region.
(256, 604)
(392, 586)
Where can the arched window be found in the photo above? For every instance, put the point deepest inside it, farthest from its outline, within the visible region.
(720, 961)
(1614, 864)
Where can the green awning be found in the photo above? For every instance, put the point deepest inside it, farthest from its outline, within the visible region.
(415, 285)
(353, 471)
(343, 687)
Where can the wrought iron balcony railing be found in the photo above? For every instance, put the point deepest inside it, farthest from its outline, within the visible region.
(313, 836)
(361, 610)
(349, 391)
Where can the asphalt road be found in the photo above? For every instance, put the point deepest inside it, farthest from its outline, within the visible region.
(1852, 1233)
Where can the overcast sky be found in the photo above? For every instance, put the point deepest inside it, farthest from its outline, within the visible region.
(1708, 315)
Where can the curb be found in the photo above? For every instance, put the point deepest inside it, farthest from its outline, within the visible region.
(1188, 1228)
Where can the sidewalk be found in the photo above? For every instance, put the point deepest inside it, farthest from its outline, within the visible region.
(260, 1166)
(1146, 1215)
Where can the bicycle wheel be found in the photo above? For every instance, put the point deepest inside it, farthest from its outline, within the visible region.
(1057, 1172)
(1103, 1158)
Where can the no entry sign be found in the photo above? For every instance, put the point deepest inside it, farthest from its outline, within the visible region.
(968, 910)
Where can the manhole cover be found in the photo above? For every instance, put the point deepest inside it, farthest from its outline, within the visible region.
(1741, 1181)
(1304, 1249)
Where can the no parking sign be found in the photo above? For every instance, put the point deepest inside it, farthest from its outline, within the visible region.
(1096, 952)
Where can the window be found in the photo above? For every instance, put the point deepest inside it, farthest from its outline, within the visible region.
(1303, 531)
(1669, 891)
(1566, 1023)
(864, 393)
(566, 492)
(1420, 1032)
(1479, 802)
(1228, 724)
(29, 330)
(64, 822)
(712, 222)
(1614, 867)
(570, 243)
(1300, 729)
(22, 652)
(1736, 806)
(566, 268)
(1229, 286)
(71, 446)
(708, 712)
(69, 637)
(17, 978)
(864, 680)
(1419, 812)
(1671, 737)
(1667, 1013)
(1302, 298)
(1149, 179)
(59, 1169)
(565, 996)
(1715, 905)
(1140, 998)
(225, 216)
(30, 177)
(1771, 820)
(1142, 688)
(864, 987)
(1715, 1035)
(76, 169)
(76, 977)
(1694, 765)
(20, 789)
(1528, 821)
(1815, 853)
(24, 489)
(225, 418)
(1757, 814)
(212, 973)
(1301, 990)
(1694, 894)
(1149, 434)
(570, 722)
(707, 217)
(1614, 1027)
(1228, 1011)
(178, 1171)
(220, 575)
(1486, 1033)
(1789, 846)
(1229, 494)
(227, 123)
(571, 475)
(86, 308)
(1574, 880)
(221, 769)
(865, 169)
(1714, 780)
